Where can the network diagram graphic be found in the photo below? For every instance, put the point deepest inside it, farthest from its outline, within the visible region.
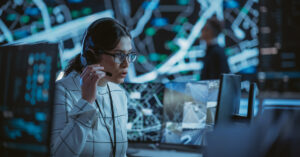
(165, 33)
(145, 111)
(241, 34)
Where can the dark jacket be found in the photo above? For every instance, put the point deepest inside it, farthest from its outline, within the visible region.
(215, 63)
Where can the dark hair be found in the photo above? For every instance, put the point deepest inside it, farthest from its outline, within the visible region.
(215, 25)
(102, 35)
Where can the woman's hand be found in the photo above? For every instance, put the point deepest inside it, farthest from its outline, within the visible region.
(89, 79)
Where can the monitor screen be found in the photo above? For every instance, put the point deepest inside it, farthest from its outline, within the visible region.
(145, 111)
(27, 90)
(189, 111)
(165, 32)
(241, 35)
(249, 93)
(228, 98)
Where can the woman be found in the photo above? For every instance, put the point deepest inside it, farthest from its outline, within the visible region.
(90, 113)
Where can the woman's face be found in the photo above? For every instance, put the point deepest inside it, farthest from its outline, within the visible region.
(118, 70)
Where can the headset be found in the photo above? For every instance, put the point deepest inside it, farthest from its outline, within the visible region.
(83, 59)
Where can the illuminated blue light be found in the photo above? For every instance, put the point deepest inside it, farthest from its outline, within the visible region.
(39, 94)
(12, 134)
(145, 18)
(28, 78)
(11, 17)
(43, 55)
(48, 60)
(28, 86)
(32, 11)
(159, 22)
(47, 77)
(27, 97)
(291, 102)
(238, 32)
(34, 76)
(244, 107)
(231, 4)
(182, 2)
(34, 86)
(20, 33)
(35, 69)
(45, 97)
(37, 56)
(249, 70)
(154, 56)
(40, 116)
(178, 87)
(46, 85)
(145, 5)
(29, 127)
(32, 100)
(75, 1)
(48, 67)
(42, 67)
(28, 81)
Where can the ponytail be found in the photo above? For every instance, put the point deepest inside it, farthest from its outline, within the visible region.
(74, 64)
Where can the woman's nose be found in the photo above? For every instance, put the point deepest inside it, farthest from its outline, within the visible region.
(125, 63)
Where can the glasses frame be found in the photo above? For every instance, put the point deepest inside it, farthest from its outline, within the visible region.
(122, 54)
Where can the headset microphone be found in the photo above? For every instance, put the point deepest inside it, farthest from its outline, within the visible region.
(108, 73)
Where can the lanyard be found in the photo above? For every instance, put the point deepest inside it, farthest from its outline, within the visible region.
(113, 143)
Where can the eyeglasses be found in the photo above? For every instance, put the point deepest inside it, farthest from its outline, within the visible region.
(120, 57)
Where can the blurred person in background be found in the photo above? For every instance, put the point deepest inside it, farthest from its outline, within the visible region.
(215, 61)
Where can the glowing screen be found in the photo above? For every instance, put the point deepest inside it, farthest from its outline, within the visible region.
(165, 33)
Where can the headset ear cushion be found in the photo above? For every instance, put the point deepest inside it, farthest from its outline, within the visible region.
(90, 56)
(90, 51)
(83, 60)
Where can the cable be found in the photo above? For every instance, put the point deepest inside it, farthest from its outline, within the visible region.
(113, 143)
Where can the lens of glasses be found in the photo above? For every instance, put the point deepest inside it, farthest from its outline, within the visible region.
(131, 57)
(119, 58)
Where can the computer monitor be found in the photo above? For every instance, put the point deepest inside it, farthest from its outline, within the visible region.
(189, 111)
(228, 98)
(145, 112)
(248, 107)
(252, 101)
(27, 93)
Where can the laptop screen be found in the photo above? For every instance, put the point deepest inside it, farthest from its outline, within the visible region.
(178, 113)
(189, 111)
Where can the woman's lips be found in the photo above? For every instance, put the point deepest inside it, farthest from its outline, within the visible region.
(123, 74)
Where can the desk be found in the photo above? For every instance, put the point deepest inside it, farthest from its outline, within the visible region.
(141, 152)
